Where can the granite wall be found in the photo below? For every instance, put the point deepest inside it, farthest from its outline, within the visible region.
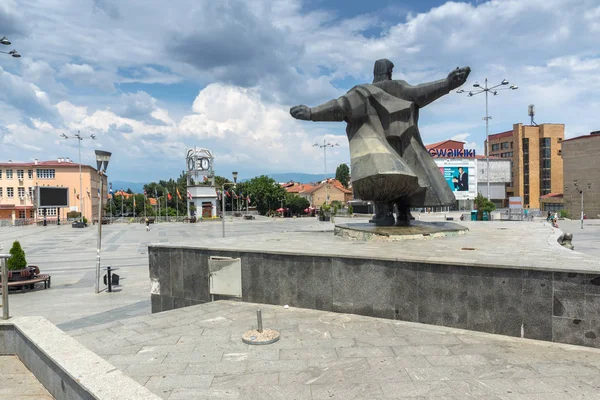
(555, 306)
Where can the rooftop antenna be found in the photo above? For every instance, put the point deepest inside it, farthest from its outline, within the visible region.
(531, 113)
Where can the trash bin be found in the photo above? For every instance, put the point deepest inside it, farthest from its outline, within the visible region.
(473, 215)
(486, 216)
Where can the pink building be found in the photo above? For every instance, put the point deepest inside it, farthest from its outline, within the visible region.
(18, 182)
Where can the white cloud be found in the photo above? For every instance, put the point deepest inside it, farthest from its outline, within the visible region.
(86, 75)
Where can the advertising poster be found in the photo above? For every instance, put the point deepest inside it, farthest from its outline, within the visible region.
(457, 178)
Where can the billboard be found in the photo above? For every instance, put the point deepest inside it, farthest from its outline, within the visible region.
(515, 202)
(50, 197)
(457, 178)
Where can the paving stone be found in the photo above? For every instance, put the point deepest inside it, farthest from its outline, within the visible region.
(463, 359)
(214, 368)
(244, 380)
(276, 365)
(346, 391)
(196, 356)
(347, 352)
(308, 353)
(415, 389)
(313, 375)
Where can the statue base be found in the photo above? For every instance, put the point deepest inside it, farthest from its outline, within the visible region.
(415, 231)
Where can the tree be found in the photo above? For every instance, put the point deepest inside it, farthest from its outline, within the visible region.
(265, 193)
(342, 174)
(296, 204)
(483, 205)
(17, 259)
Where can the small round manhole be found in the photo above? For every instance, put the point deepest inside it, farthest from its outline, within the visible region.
(468, 248)
(502, 229)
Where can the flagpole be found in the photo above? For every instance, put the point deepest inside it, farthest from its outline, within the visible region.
(134, 206)
(177, 205)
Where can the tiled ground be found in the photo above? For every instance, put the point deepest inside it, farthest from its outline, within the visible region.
(18, 383)
(197, 353)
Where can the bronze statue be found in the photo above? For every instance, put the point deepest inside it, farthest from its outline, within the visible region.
(390, 164)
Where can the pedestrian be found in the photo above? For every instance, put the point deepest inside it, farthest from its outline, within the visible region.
(147, 224)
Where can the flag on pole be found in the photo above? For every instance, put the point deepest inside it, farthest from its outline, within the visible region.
(98, 192)
(227, 194)
(218, 195)
(145, 194)
(248, 198)
(155, 194)
(178, 194)
(169, 195)
(134, 202)
(76, 195)
(189, 195)
(235, 194)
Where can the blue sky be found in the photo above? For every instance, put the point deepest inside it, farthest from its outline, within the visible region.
(151, 80)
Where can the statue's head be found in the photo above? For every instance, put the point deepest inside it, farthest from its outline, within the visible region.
(382, 70)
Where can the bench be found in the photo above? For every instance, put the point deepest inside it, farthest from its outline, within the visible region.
(31, 282)
(191, 220)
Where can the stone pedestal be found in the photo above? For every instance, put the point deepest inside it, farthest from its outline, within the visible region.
(416, 230)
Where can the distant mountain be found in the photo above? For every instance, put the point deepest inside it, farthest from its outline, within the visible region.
(135, 187)
(299, 177)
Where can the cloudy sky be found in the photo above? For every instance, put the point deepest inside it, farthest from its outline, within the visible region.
(152, 78)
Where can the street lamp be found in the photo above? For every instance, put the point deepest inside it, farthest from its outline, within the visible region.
(235, 176)
(324, 146)
(102, 158)
(7, 42)
(79, 139)
(494, 90)
(580, 190)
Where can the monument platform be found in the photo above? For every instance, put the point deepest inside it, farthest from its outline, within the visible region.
(509, 278)
(417, 230)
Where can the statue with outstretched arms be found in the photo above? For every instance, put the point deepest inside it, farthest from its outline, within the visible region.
(390, 164)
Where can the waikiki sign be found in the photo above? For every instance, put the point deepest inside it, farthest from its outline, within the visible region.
(452, 153)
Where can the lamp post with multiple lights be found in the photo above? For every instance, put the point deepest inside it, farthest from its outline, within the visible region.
(580, 190)
(13, 53)
(234, 184)
(494, 90)
(324, 146)
(79, 139)
(102, 158)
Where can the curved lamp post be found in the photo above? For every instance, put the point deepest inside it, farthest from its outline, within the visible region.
(12, 53)
(102, 158)
(494, 90)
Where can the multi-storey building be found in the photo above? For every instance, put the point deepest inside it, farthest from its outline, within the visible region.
(582, 175)
(18, 182)
(536, 160)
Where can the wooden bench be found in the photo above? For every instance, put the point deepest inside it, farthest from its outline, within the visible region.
(31, 282)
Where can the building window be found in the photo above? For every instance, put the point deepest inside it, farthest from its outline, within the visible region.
(545, 166)
(508, 154)
(495, 147)
(0, 174)
(46, 173)
(21, 193)
(0, 192)
(9, 174)
(30, 189)
(504, 146)
(526, 172)
(511, 145)
(10, 192)
(31, 214)
(20, 174)
(50, 212)
(22, 214)
(30, 174)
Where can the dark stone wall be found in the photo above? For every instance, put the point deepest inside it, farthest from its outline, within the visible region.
(554, 306)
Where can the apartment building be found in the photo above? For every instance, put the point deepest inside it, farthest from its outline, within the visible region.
(18, 182)
(535, 152)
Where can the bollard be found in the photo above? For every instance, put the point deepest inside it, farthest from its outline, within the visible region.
(259, 318)
(4, 268)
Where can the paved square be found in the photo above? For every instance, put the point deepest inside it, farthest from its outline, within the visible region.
(197, 353)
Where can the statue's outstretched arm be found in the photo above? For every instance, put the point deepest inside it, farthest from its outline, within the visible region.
(349, 106)
(428, 92)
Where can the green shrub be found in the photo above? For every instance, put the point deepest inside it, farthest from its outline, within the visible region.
(73, 215)
(17, 259)
(85, 220)
(350, 210)
(564, 214)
